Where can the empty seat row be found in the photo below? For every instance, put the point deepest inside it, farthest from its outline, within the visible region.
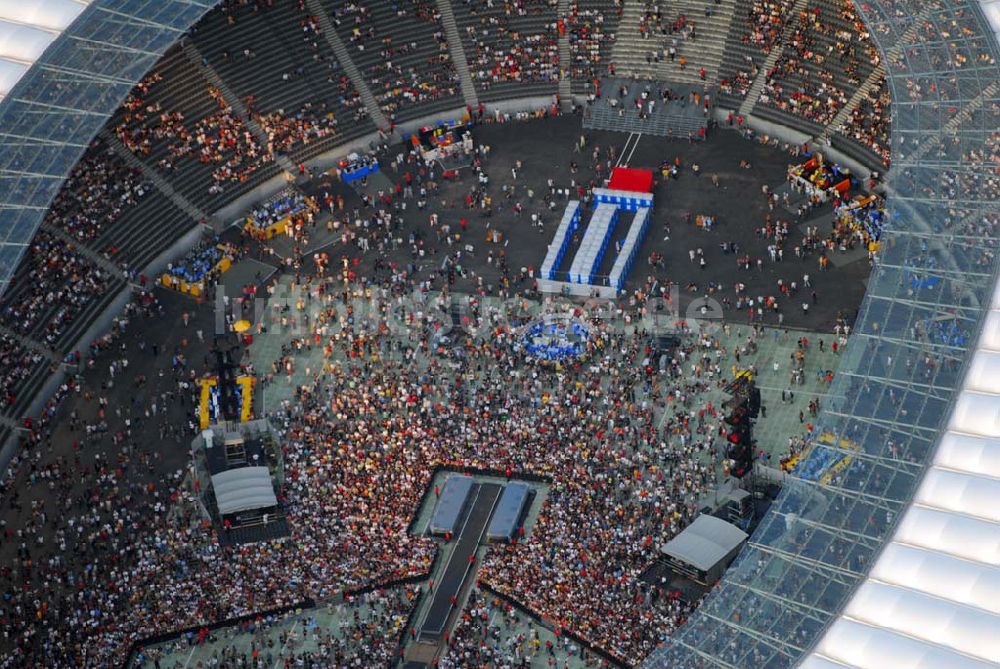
(630, 248)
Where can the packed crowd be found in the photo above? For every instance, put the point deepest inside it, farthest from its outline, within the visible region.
(54, 285)
(80, 507)
(99, 190)
(379, 412)
(351, 486)
(17, 363)
(594, 423)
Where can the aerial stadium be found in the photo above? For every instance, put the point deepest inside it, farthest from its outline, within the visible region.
(536, 333)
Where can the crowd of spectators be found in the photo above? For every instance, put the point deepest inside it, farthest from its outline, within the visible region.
(220, 139)
(826, 58)
(514, 42)
(492, 633)
(816, 101)
(742, 79)
(404, 60)
(55, 283)
(765, 22)
(868, 123)
(761, 30)
(593, 433)
(362, 439)
(301, 639)
(590, 39)
(395, 87)
(98, 191)
(223, 141)
(142, 121)
(16, 364)
(312, 123)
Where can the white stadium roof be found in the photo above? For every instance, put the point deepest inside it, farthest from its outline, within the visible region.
(27, 28)
(932, 598)
(991, 8)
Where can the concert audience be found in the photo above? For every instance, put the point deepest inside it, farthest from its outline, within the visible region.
(16, 364)
(515, 42)
(377, 617)
(96, 194)
(589, 41)
(116, 552)
(868, 124)
(826, 57)
(53, 287)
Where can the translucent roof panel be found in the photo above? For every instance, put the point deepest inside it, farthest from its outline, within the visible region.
(991, 8)
(873, 647)
(11, 72)
(65, 66)
(897, 504)
(935, 588)
(52, 15)
(27, 29)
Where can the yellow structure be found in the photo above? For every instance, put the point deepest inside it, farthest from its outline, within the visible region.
(204, 416)
(197, 288)
(841, 464)
(280, 226)
(246, 384)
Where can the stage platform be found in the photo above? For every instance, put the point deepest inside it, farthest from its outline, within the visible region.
(680, 118)
(459, 566)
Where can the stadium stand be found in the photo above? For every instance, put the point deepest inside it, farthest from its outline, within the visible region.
(511, 48)
(403, 55)
(591, 25)
(272, 55)
(757, 29)
(293, 73)
(867, 126)
(826, 58)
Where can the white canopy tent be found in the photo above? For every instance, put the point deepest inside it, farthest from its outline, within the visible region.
(243, 489)
(705, 542)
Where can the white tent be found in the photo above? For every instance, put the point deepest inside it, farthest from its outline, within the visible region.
(243, 489)
(705, 542)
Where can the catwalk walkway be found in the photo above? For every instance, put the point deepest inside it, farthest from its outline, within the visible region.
(460, 567)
